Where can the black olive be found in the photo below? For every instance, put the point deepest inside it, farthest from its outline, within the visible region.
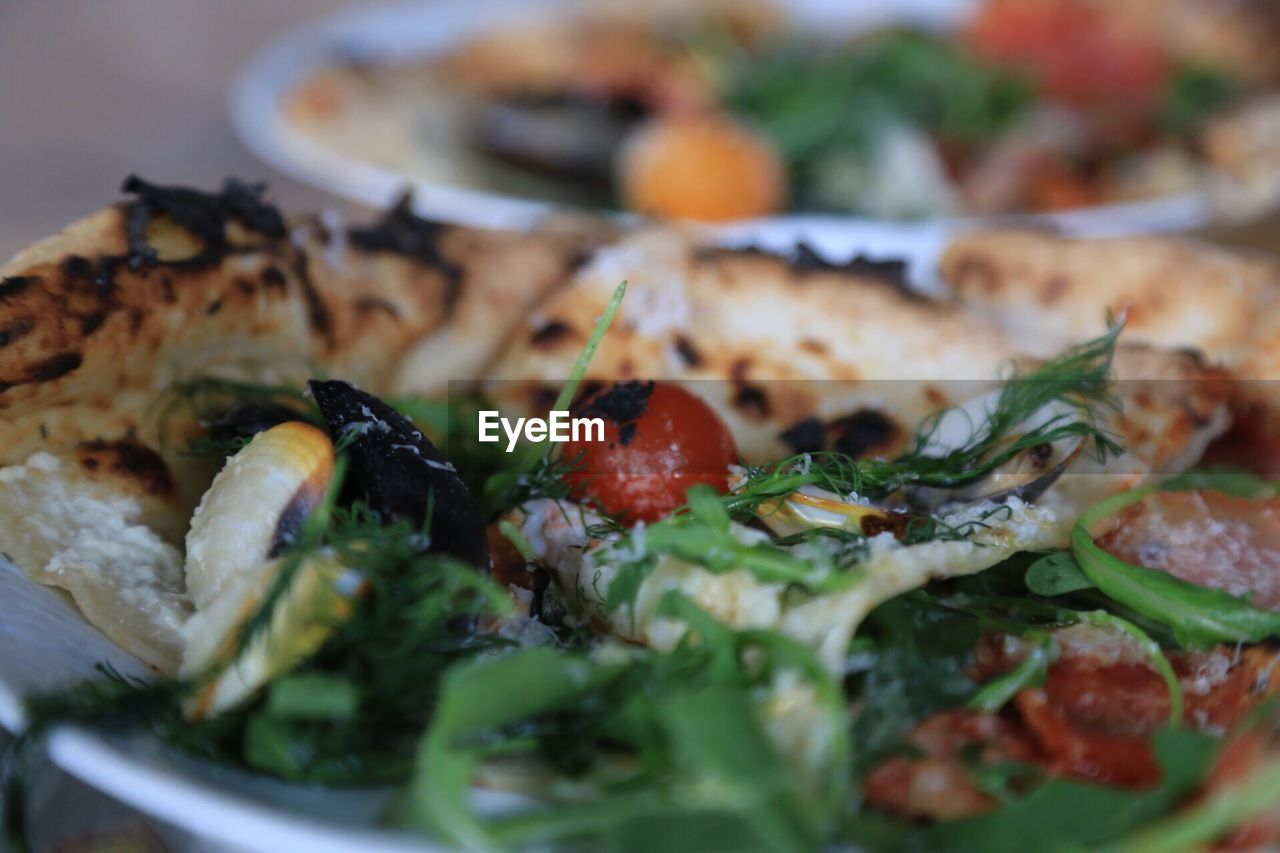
(400, 473)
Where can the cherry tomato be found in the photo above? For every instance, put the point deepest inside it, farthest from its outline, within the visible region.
(1078, 53)
(658, 441)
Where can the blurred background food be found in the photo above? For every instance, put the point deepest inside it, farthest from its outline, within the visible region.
(1021, 105)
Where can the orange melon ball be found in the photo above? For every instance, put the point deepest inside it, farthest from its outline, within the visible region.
(700, 167)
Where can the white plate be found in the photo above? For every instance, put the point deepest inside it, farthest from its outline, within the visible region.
(423, 28)
(45, 644)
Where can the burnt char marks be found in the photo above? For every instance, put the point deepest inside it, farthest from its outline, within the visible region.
(373, 304)
(204, 215)
(54, 367)
(748, 398)
(624, 404)
(402, 232)
(273, 279)
(688, 352)
(550, 333)
(317, 310)
(806, 436)
(890, 270)
(15, 285)
(130, 460)
(17, 329)
(862, 432)
(91, 323)
(805, 260)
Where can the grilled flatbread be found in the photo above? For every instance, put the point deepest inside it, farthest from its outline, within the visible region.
(100, 320)
(99, 323)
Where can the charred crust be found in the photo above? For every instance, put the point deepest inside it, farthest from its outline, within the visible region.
(213, 308)
(317, 311)
(889, 270)
(370, 304)
(402, 232)
(550, 332)
(863, 431)
(13, 285)
(91, 323)
(687, 351)
(804, 259)
(55, 367)
(166, 289)
(806, 436)
(128, 459)
(15, 330)
(205, 215)
(624, 404)
(751, 400)
(894, 522)
(77, 266)
(273, 278)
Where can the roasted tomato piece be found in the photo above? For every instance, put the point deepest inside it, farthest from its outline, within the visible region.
(1076, 51)
(938, 784)
(659, 440)
(1207, 538)
(1104, 758)
(1252, 443)
(1238, 760)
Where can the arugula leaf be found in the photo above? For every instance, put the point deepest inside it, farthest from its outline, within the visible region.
(1198, 616)
(1030, 671)
(1056, 574)
(1193, 94)
(313, 696)
(715, 735)
(919, 664)
(1229, 481)
(1064, 814)
(478, 698)
(1212, 817)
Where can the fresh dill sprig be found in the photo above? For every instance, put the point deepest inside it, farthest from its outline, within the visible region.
(1079, 377)
(699, 533)
(537, 472)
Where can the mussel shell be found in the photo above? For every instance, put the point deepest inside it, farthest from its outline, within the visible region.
(400, 473)
(247, 420)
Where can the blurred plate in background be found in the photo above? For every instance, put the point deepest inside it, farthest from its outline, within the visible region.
(444, 186)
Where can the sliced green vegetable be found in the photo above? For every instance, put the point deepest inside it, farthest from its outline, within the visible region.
(479, 698)
(1029, 672)
(313, 697)
(1198, 616)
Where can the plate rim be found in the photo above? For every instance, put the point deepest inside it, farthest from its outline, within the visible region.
(284, 59)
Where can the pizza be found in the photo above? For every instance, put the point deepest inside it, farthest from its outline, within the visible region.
(843, 563)
(730, 110)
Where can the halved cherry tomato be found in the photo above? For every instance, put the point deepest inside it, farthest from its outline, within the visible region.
(1074, 50)
(658, 441)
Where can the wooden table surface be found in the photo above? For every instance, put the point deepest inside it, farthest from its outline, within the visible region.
(91, 90)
